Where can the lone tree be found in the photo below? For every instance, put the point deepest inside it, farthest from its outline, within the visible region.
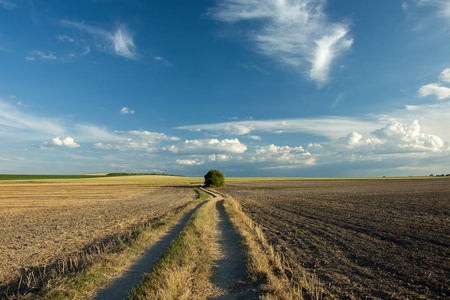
(214, 178)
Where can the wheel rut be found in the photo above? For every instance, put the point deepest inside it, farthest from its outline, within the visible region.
(121, 287)
(229, 271)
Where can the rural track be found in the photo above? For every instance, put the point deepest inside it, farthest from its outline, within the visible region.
(121, 287)
(229, 271)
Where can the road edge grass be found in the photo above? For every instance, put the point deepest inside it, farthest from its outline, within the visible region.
(185, 270)
(103, 265)
(267, 265)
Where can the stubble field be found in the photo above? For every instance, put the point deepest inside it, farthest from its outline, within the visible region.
(365, 239)
(43, 222)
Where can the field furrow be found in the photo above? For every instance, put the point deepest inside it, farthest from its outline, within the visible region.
(375, 239)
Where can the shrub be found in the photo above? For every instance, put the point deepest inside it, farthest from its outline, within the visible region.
(214, 178)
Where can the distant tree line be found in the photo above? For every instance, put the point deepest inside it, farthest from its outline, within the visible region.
(442, 175)
(134, 174)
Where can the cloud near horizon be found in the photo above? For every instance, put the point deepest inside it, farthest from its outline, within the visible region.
(295, 33)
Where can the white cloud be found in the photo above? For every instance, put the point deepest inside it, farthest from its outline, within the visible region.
(92, 133)
(119, 41)
(189, 162)
(126, 110)
(330, 127)
(274, 156)
(163, 60)
(64, 38)
(295, 33)
(57, 141)
(397, 137)
(14, 120)
(208, 147)
(394, 138)
(445, 75)
(41, 55)
(435, 89)
(123, 44)
(219, 157)
(442, 6)
(126, 145)
(135, 141)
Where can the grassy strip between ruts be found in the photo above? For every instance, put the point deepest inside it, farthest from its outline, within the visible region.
(264, 263)
(185, 270)
(103, 265)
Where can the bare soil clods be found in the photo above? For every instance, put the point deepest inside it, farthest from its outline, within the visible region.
(41, 223)
(364, 239)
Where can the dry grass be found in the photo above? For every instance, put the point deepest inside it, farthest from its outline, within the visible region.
(264, 263)
(52, 231)
(185, 270)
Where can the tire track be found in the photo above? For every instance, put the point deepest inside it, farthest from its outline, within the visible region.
(229, 271)
(121, 287)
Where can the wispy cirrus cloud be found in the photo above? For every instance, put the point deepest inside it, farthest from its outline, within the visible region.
(119, 42)
(14, 120)
(330, 127)
(429, 12)
(296, 33)
(7, 4)
(36, 54)
(135, 140)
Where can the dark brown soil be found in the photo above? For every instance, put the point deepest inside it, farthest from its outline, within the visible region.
(365, 239)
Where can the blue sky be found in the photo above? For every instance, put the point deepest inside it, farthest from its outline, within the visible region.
(254, 88)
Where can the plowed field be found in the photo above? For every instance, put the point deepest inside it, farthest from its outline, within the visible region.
(365, 239)
(42, 222)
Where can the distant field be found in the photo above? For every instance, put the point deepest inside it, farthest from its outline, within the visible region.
(34, 177)
(365, 239)
(160, 179)
(100, 178)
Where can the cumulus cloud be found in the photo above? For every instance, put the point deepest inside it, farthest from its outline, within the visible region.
(297, 33)
(189, 162)
(126, 110)
(276, 157)
(441, 92)
(399, 137)
(435, 89)
(445, 75)
(395, 137)
(220, 157)
(119, 42)
(208, 147)
(57, 141)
